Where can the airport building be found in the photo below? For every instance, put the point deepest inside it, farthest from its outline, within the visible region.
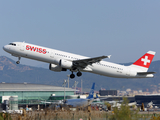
(29, 93)
(148, 98)
(108, 92)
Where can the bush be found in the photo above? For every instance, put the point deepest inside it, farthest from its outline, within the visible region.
(5, 116)
(124, 112)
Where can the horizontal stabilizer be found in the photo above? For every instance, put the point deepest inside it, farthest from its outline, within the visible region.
(145, 73)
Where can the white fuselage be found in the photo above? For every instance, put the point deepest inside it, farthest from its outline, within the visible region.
(78, 102)
(53, 56)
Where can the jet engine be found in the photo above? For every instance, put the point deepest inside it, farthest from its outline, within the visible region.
(56, 68)
(65, 64)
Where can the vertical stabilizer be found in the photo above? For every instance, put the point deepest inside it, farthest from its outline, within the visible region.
(144, 62)
(97, 96)
(91, 92)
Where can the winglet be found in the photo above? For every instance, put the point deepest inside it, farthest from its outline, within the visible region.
(109, 56)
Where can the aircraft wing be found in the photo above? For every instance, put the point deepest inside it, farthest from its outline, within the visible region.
(89, 61)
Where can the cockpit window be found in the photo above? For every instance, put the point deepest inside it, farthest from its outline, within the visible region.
(12, 44)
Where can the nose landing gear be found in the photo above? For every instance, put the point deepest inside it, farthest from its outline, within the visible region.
(18, 60)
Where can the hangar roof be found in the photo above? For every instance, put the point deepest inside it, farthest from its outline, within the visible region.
(31, 87)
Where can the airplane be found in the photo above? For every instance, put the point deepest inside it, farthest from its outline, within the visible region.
(150, 105)
(117, 104)
(61, 61)
(81, 102)
(132, 104)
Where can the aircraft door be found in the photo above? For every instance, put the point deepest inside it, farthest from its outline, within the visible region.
(52, 54)
(22, 47)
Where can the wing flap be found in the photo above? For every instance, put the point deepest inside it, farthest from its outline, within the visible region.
(84, 62)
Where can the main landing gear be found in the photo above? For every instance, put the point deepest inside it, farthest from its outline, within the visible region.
(18, 60)
(73, 76)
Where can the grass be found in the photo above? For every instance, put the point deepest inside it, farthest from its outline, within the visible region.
(77, 115)
(122, 113)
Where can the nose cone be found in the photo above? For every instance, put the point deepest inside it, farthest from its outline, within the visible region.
(5, 47)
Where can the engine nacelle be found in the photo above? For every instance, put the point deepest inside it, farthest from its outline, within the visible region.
(56, 68)
(65, 64)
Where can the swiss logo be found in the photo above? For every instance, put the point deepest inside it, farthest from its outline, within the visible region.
(145, 60)
(36, 49)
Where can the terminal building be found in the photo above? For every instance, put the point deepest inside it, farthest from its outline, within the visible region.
(30, 93)
(108, 92)
(148, 98)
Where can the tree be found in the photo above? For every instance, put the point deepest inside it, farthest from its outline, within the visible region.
(124, 112)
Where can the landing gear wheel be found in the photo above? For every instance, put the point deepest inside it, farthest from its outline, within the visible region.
(72, 76)
(79, 74)
(18, 62)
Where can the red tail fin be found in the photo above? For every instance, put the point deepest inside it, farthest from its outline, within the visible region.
(145, 60)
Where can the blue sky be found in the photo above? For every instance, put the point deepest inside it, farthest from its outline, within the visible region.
(122, 28)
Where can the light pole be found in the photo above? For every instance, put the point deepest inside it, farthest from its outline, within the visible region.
(64, 84)
(81, 87)
(75, 84)
(68, 80)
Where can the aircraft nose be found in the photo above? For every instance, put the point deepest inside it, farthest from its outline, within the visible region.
(5, 48)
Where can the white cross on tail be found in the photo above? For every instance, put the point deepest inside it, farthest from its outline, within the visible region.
(145, 60)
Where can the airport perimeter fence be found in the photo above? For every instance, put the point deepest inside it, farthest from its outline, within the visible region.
(80, 115)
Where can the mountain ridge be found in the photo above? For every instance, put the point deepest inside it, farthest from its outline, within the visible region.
(13, 73)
